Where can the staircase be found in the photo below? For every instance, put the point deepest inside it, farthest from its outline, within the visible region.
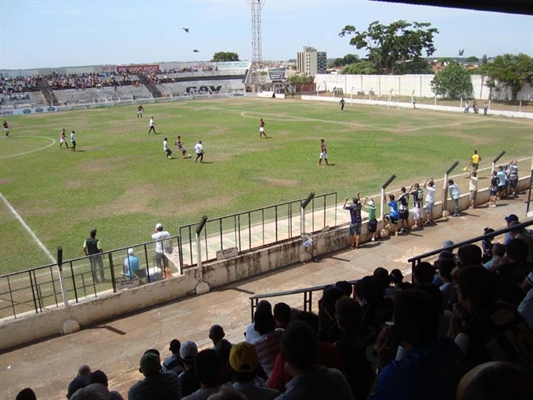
(48, 93)
(148, 85)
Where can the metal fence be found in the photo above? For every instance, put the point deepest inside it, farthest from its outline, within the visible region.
(34, 290)
(254, 229)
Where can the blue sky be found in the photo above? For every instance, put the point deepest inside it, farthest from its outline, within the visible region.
(43, 33)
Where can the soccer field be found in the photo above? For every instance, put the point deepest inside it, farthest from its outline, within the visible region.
(120, 181)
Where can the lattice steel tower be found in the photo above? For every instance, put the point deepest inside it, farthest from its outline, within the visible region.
(257, 57)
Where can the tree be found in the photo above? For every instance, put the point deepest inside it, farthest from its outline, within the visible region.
(472, 59)
(359, 68)
(225, 56)
(300, 79)
(420, 66)
(452, 81)
(510, 70)
(390, 45)
(346, 60)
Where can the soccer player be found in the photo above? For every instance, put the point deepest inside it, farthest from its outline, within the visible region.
(140, 111)
(152, 126)
(180, 147)
(6, 128)
(262, 129)
(167, 149)
(73, 141)
(323, 153)
(342, 103)
(474, 161)
(199, 149)
(63, 139)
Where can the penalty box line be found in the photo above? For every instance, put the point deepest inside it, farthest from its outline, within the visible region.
(28, 229)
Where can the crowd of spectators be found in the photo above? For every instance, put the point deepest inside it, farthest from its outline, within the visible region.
(454, 331)
(195, 68)
(14, 85)
(87, 80)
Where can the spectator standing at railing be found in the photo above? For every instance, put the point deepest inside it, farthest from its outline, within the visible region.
(429, 185)
(473, 188)
(92, 248)
(356, 220)
(162, 245)
(455, 194)
(418, 195)
(513, 177)
(372, 221)
(403, 207)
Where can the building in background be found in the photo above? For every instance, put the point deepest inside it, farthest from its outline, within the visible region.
(311, 62)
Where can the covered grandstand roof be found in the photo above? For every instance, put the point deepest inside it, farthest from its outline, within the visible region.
(506, 6)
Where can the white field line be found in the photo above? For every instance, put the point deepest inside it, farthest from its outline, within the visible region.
(289, 118)
(28, 229)
(31, 151)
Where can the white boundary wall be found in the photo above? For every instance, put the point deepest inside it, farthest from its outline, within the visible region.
(393, 103)
(405, 85)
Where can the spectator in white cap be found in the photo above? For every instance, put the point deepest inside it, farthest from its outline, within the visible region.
(163, 244)
(189, 381)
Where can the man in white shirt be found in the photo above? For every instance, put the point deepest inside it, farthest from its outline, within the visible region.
(429, 185)
(162, 242)
(152, 126)
(199, 149)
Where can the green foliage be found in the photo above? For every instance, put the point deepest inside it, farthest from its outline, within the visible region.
(389, 46)
(360, 68)
(346, 60)
(472, 59)
(453, 81)
(510, 70)
(420, 66)
(225, 56)
(301, 79)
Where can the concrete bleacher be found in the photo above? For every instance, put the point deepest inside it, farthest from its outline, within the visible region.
(100, 95)
(36, 98)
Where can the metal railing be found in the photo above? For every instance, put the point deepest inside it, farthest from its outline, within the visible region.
(32, 291)
(257, 228)
(417, 259)
(307, 296)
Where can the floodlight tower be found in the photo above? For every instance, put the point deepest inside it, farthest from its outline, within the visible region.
(257, 58)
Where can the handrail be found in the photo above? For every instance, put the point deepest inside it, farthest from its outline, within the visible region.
(307, 299)
(473, 240)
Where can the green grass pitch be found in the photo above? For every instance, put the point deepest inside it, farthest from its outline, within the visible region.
(120, 181)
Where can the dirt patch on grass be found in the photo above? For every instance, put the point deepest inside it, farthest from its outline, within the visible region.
(279, 182)
(73, 184)
(6, 181)
(102, 165)
(136, 199)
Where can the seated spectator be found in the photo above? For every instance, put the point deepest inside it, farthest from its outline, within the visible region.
(282, 315)
(251, 334)
(328, 355)
(189, 380)
(345, 286)
(496, 381)
(311, 382)
(448, 288)
(376, 309)
(80, 381)
(131, 265)
(328, 330)
(156, 385)
(444, 314)
(498, 252)
(227, 393)
(430, 369)
(244, 361)
(523, 234)
(268, 344)
(396, 278)
(208, 368)
(469, 254)
(222, 347)
(525, 308)
(99, 376)
(173, 363)
(424, 272)
(94, 391)
(26, 394)
(352, 347)
(487, 245)
(485, 329)
(382, 275)
(515, 266)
